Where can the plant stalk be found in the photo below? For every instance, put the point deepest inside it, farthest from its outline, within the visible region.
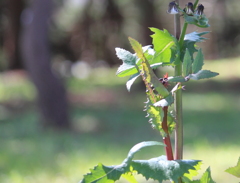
(178, 95)
(178, 104)
(195, 4)
(177, 26)
(166, 139)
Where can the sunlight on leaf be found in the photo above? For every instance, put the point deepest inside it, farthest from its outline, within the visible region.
(126, 56)
(137, 47)
(234, 170)
(129, 177)
(193, 173)
(206, 178)
(165, 45)
(161, 169)
(126, 70)
(146, 71)
(104, 174)
(131, 81)
(203, 74)
(129, 64)
(167, 101)
(162, 40)
(195, 36)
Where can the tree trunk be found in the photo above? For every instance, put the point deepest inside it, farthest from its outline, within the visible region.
(36, 56)
(11, 33)
(147, 19)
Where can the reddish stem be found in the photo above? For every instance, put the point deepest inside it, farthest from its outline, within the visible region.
(166, 139)
(168, 147)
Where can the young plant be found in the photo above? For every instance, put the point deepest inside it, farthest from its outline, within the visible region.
(181, 53)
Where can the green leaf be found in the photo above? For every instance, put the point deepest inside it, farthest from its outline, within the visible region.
(162, 40)
(127, 57)
(155, 115)
(129, 61)
(190, 19)
(131, 81)
(148, 52)
(162, 57)
(129, 67)
(105, 174)
(188, 176)
(129, 177)
(178, 86)
(190, 40)
(165, 52)
(203, 21)
(156, 168)
(175, 54)
(171, 122)
(165, 46)
(187, 63)
(146, 71)
(191, 48)
(167, 101)
(198, 20)
(161, 169)
(176, 79)
(137, 47)
(126, 70)
(138, 147)
(203, 74)
(198, 62)
(133, 78)
(195, 36)
(109, 174)
(150, 78)
(206, 178)
(235, 170)
(156, 65)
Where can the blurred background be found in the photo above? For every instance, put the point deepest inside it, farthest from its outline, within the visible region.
(63, 110)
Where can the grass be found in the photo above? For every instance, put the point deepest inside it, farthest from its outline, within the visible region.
(107, 122)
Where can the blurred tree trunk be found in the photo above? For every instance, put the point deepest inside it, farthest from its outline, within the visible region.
(97, 33)
(147, 19)
(36, 56)
(226, 38)
(11, 36)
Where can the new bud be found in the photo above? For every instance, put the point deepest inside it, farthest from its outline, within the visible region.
(172, 8)
(189, 8)
(200, 9)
